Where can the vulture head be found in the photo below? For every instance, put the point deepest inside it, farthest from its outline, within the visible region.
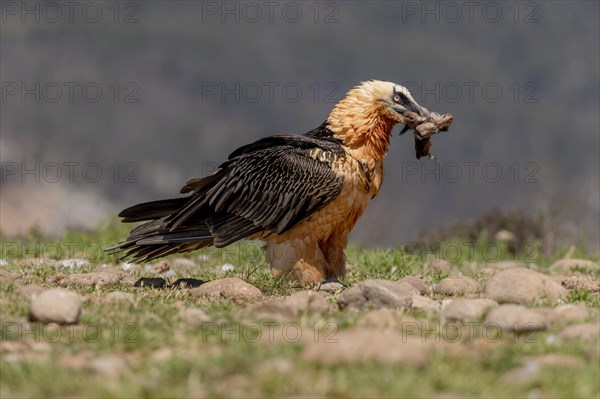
(367, 114)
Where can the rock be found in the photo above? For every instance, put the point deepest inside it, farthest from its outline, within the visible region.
(570, 266)
(516, 318)
(119, 296)
(377, 294)
(162, 267)
(232, 288)
(503, 265)
(458, 285)
(102, 277)
(559, 278)
(29, 291)
(332, 287)
(364, 345)
(303, 301)
(467, 309)
(571, 312)
(108, 366)
(55, 306)
(579, 282)
(583, 331)
(5, 276)
(553, 360)
(439, 266)
(523, 286)
(416, 282)
(407, 287)
(194, 316)
(424, 303)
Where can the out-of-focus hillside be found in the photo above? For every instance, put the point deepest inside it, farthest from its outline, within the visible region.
(181, 88)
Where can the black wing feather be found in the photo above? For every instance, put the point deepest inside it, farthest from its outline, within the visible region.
(270, 185)
(273, 189)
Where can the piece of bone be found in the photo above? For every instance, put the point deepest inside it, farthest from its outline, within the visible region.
(425, 127)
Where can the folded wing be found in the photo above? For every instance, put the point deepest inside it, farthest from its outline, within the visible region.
(268, 186)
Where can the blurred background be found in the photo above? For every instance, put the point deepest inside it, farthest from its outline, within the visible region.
(105, 104)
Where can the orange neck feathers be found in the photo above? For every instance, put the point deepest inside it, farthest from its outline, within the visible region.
(360, 121)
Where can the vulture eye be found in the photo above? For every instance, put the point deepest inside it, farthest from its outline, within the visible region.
(397, 99)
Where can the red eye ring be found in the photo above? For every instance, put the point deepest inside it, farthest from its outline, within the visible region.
(396, 98)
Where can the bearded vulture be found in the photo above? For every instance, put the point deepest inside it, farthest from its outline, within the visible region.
(300, 194)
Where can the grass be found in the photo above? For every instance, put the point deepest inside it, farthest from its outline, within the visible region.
(160, 355)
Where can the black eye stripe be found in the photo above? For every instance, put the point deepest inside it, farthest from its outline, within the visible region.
(403, 98)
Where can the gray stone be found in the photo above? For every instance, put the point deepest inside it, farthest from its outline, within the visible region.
(424, 303)
(583, 331)
(377, 294)
(467, 309)
(232, 288)
(102, 277)
(570, 266)
(517, 318)
(55, 306)
(457, 285)
(571, 313)
(503, 265)
(585, 282)
(416, 282)
(523, 286)
(439, 265)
